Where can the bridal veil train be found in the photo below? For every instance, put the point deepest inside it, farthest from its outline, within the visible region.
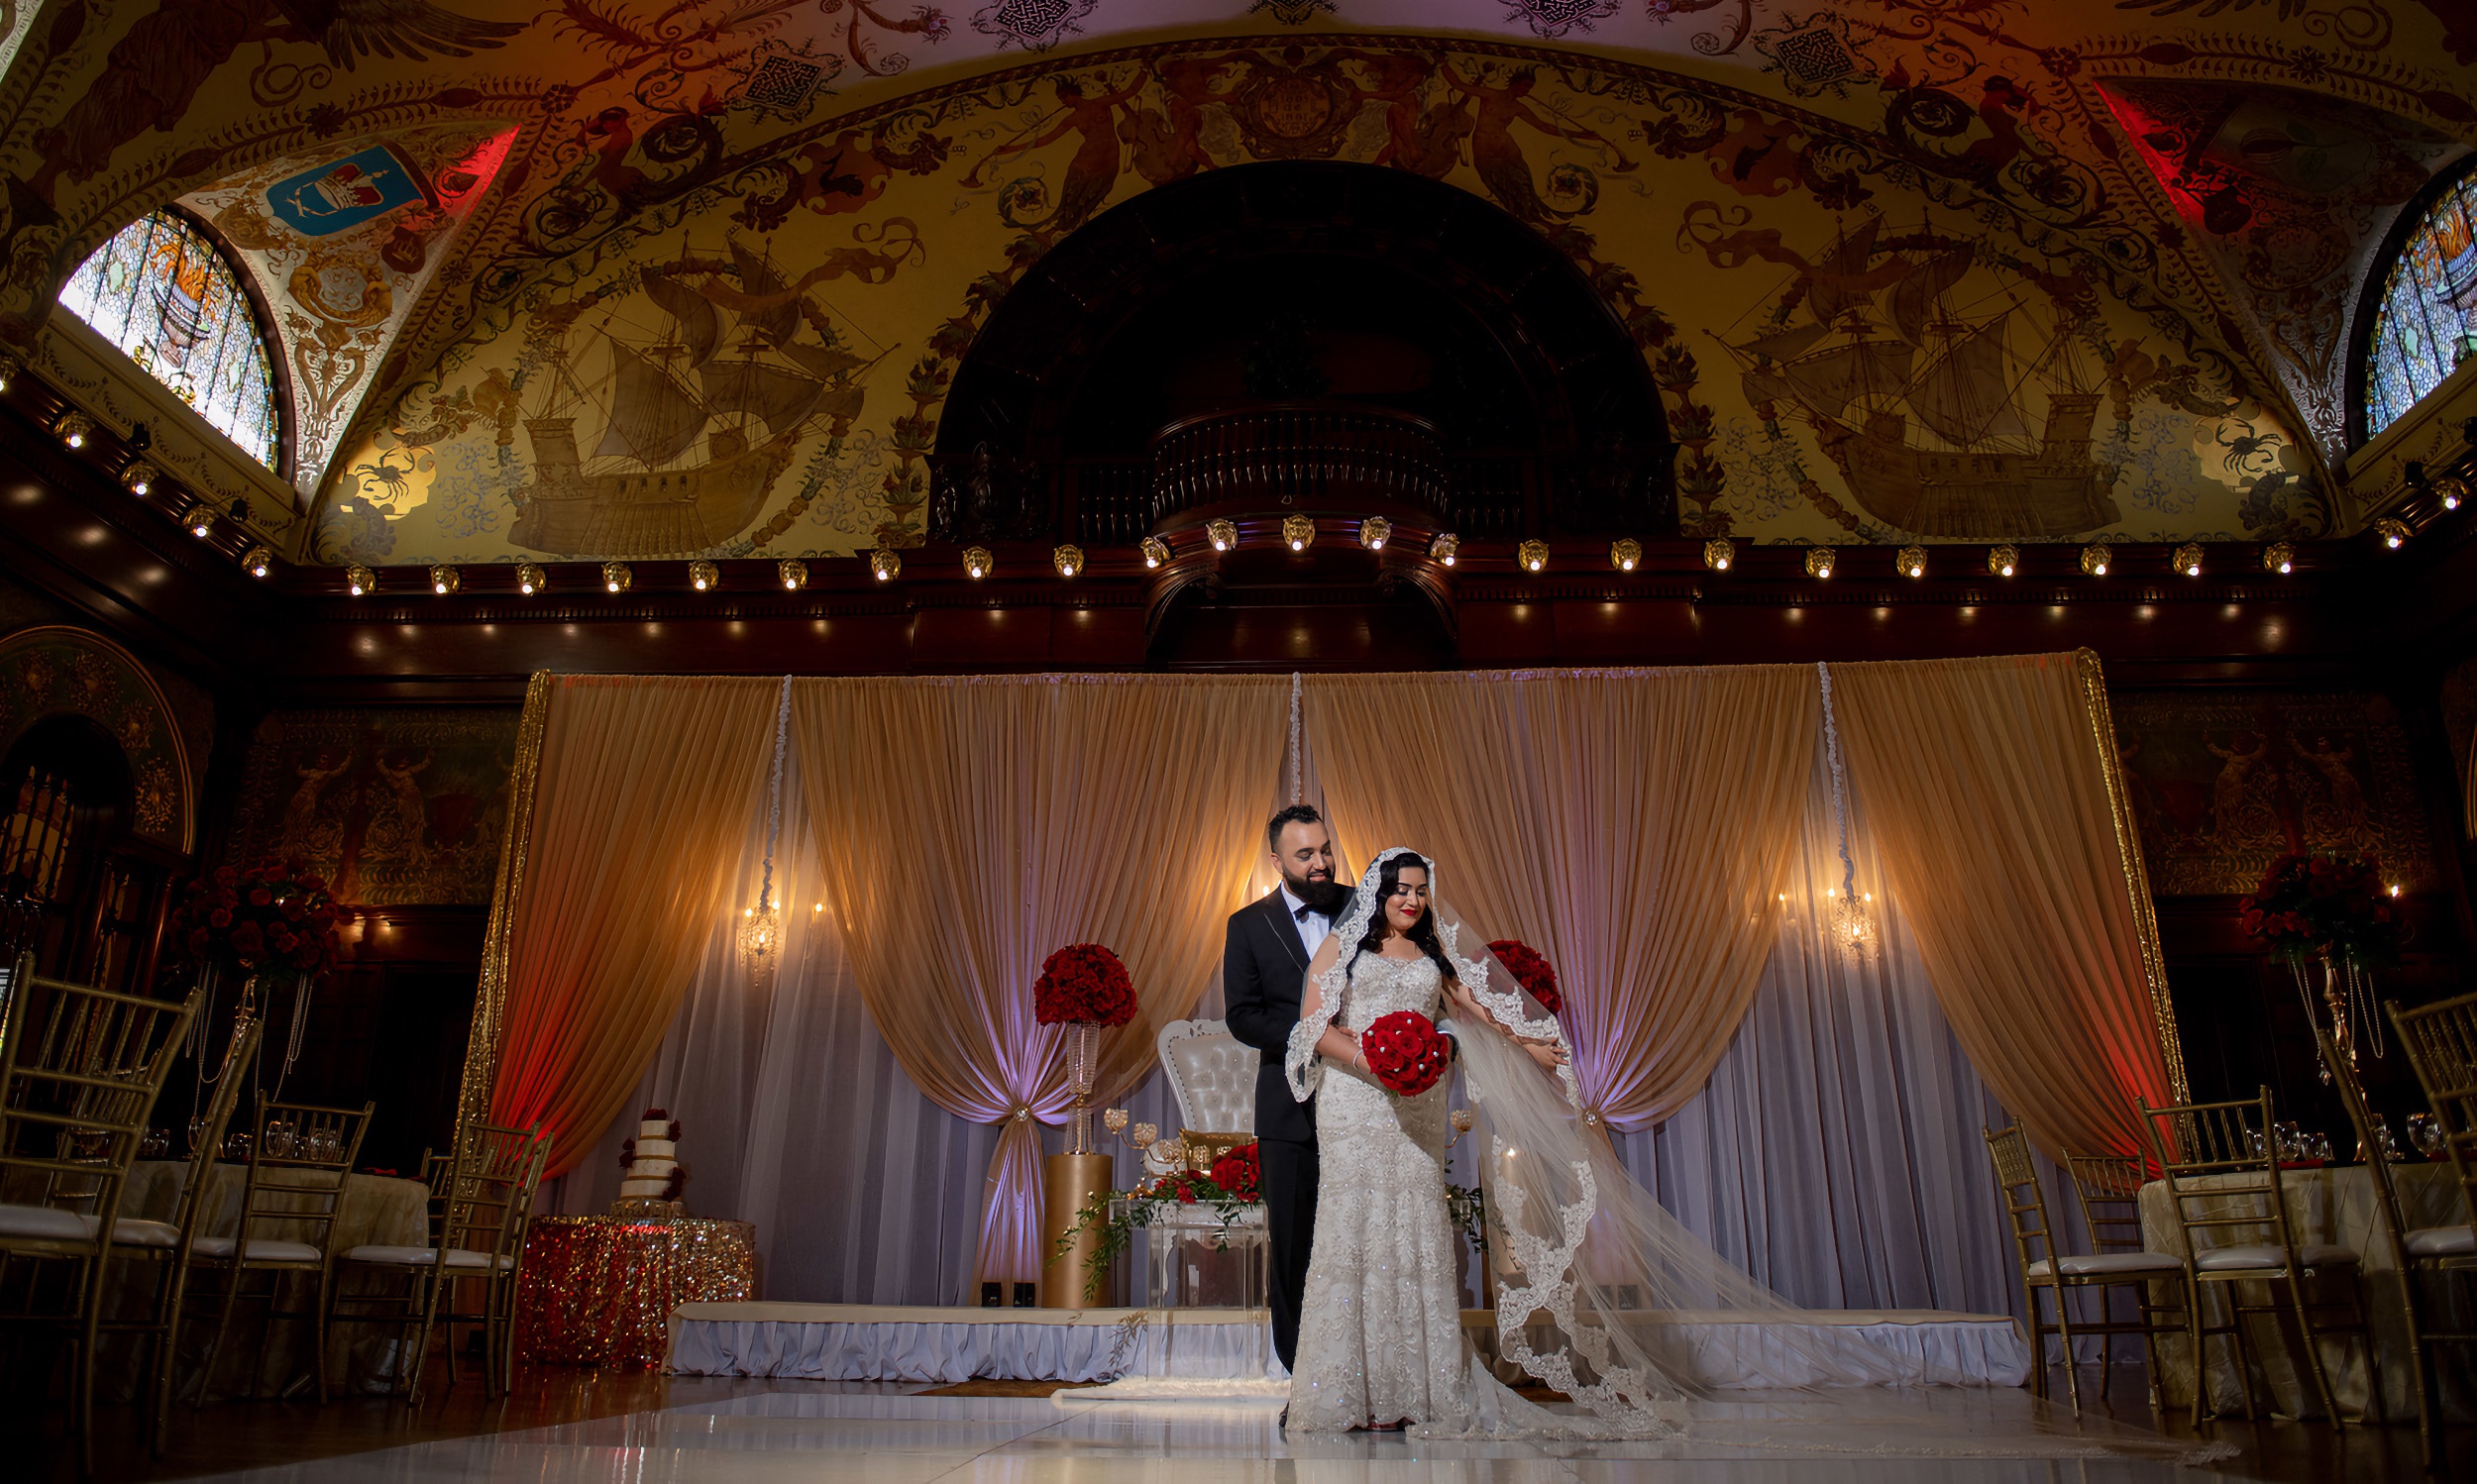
(1600, 1294)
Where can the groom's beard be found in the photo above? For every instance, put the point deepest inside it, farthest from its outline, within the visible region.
(1327, 897)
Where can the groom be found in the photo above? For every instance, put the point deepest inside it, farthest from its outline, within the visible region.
(1263, 970)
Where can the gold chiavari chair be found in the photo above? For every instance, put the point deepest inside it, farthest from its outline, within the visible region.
(76, 1098)
(168, 1244)
(478, 1223)
(291, 1196)
(2222, 1169)
(2109, 1190)
(2045, 1268)
(2440, 1043)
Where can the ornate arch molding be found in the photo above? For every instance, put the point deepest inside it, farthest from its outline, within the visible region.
(55, 670)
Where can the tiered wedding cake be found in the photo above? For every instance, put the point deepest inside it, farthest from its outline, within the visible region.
(650, 1162)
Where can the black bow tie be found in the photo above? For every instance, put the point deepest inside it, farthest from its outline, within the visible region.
(1304, 910)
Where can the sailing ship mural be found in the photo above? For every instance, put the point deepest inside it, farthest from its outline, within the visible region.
(666, 443)
(1921, 393)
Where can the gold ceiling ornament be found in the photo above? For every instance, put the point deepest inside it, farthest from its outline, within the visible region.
(1444, 547)
(2451, 489)
(258, 561)
(617, 578)
(2279, 556)
(1912, 561)
(1068, 559)
(1718, 553)
(73, 427)
(200, 519)
(1156, 552)
(2394, 533)
(2189, 559)
(359, 580)
(1819, 561)
(138, 476)
(1299, 531)
(531, 578)
(793, 573)
(2003, 560)
(1625, 554)
(976, 562)
(1533, 553)
(1223, 534)
(704, 576)
(1374, 532)
(2094, 559)
(885, 565)
(445, 580)
(10, 367)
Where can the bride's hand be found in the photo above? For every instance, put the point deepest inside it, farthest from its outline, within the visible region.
(1548, 1054)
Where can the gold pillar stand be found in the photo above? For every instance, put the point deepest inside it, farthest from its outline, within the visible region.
(1072, 1181)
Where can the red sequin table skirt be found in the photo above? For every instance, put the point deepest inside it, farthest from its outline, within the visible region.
(599, 1290)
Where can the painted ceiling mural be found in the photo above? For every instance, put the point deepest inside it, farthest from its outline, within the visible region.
(693, 275)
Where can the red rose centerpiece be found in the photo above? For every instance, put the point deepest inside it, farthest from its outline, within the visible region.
(1532, 970)
(1085, 988)
(1406, 1051)
(1239, 1173)
(2337, 909)
(272, 919)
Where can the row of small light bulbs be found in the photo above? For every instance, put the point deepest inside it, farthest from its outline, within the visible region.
(139, 477)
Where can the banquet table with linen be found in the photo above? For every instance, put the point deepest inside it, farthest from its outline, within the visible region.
(2335, 1205)
(598, 1290)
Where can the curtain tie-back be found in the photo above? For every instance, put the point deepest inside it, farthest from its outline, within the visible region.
(1019, 1113)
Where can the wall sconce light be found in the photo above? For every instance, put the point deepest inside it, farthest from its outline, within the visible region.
(793, 573)
(2450, 490)
(2001, 561)
(2279, 556)
(1223, 534)
(444, 580)
(72, 427)
(1625, 554)
(10, 365)
(976, 562)
(617, 578)
(200, 519)
(2189, 559)
(2094, 559)
(1444, 547)
(1532, 554)
(1156, 550)
(138, 476)
(704, 576)
(359, 580)
(1374, 532)
(1819, 561)
(258, 561)
(530, 578)
(1298, 530)
(1718, 553)
(885, 566)
(1068, 559)
(2394, 533)
(1912, 561)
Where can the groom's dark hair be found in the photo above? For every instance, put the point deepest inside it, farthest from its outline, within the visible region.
(1297, 813)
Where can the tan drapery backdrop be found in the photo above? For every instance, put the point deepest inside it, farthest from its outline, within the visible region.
(1988, 799)
(1631, 825)
(971, 828)
(645, 788)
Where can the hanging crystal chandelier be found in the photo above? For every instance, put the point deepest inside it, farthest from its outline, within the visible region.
(1853, 926)
(761, 924)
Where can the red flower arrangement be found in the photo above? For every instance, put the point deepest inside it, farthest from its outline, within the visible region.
(1240, 1172)
(1532, 970)
(2321, 904)
(1083, 982)
(1406, 1052)
(273, 916)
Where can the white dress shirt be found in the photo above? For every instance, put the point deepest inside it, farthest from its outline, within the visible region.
(1314, 927)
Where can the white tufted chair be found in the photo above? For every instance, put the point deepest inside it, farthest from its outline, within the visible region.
(1212, 1075)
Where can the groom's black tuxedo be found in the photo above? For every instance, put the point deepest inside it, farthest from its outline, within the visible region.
(1263, 971)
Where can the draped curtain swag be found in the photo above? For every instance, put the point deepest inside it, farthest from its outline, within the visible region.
(644, 788)
(1992, 808)
(968, 829)
(1633, 824)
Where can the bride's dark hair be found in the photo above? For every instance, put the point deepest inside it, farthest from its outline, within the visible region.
(1423, 932)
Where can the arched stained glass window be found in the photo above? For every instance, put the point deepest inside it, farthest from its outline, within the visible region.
(162, 292)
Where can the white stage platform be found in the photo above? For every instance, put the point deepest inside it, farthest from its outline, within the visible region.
(866, 1342)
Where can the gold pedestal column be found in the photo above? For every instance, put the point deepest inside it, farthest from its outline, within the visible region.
(1073, 1181)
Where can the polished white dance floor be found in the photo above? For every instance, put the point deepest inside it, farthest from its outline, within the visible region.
(823, 1433)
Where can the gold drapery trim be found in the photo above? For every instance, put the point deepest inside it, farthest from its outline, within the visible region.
(490, 1000)
(2136, 875)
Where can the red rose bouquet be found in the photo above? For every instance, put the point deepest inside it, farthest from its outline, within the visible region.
(1406, 1052)
(1083, 982)
(273, 916)
(2321, 904)
(1532, 970)
(1238, 1173)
